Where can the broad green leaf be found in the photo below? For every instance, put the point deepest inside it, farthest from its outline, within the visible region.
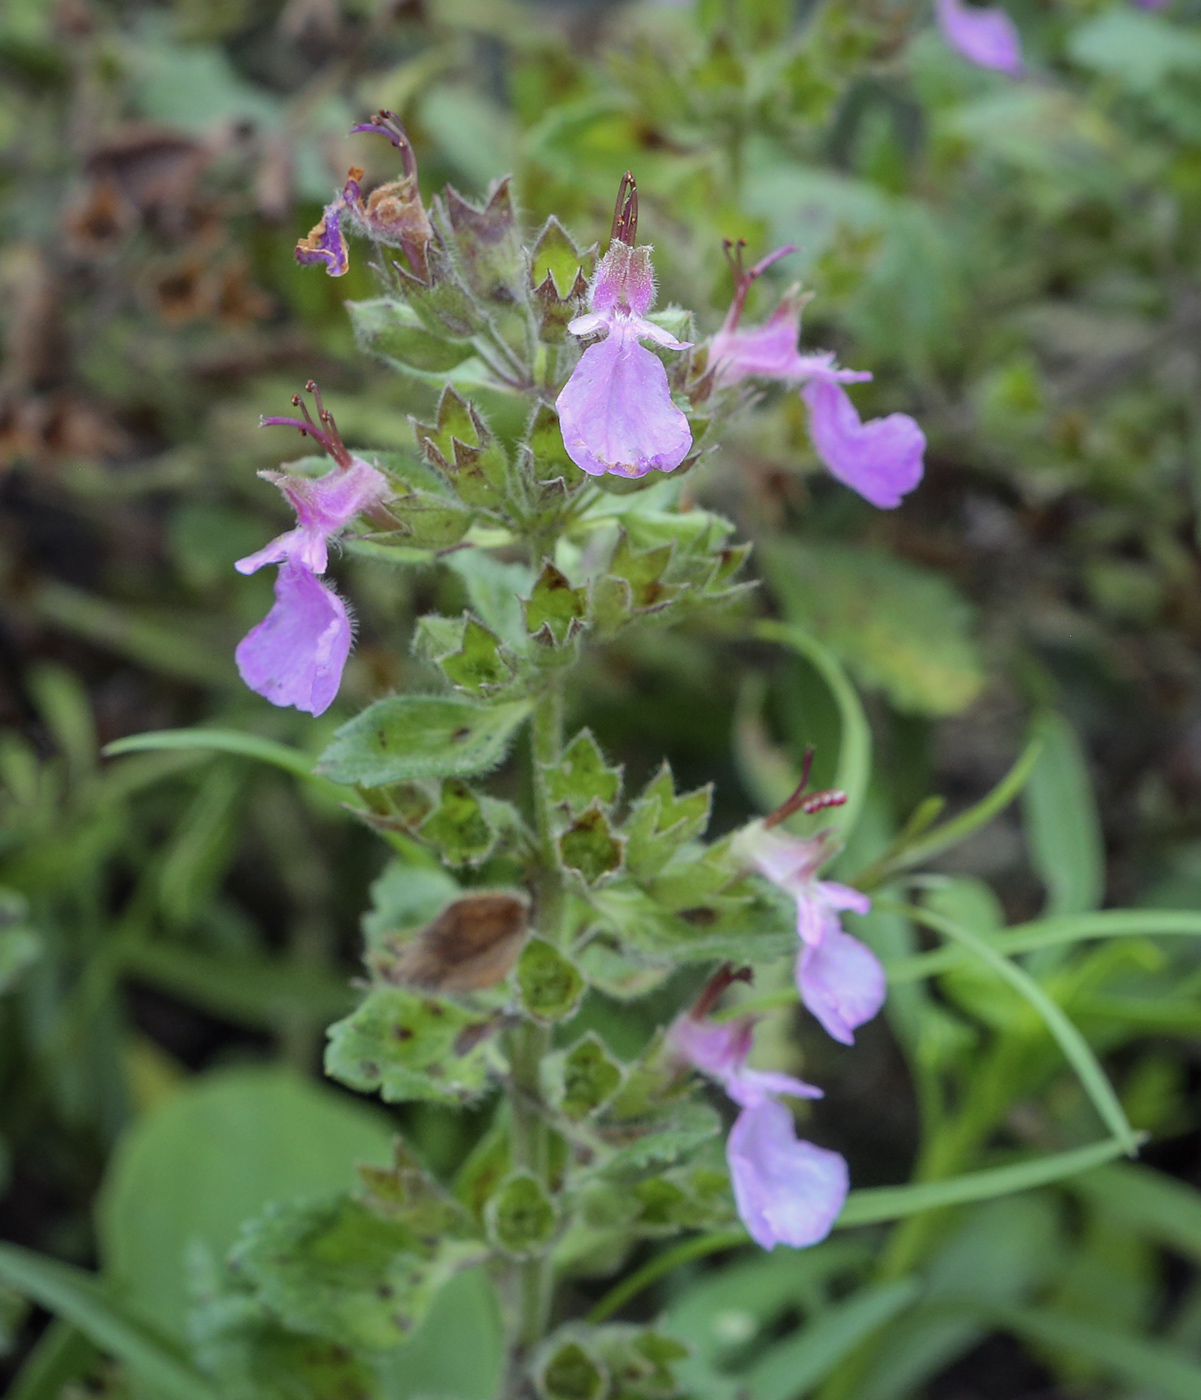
(1063, 827)
(900, 629)
(335, 1269)
(1151, 1366)
(80, 1299)
(215, 1154)
(408, 1046)
(395, 333)
(420, 736)
(1136, 50)
(435, 1362)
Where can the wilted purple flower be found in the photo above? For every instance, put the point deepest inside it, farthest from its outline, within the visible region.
(881, 459)
(986, 37)
(839, 979)
(325, 242)
(392, 214)
(616, 412)
(296, 654)
(787, 1191)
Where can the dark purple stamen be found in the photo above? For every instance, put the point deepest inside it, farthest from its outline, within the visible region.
(745, 278)
(799, 802)
(711, 993)
(625, 215)
(327, 434)
(386, 123)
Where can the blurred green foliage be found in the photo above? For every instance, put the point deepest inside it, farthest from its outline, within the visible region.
(1017, 263)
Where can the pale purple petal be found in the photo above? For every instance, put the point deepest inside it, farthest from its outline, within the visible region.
(616, 412)
(770, 351)
(841, 982)
(985, 37)
(787, 1191)
(323, 506)
(787, 861)
(844, 897)
(647, 330)
(299, 545)
(717, 1048)
(748, 1087)
(624, 281)
(880, 459)
(296, 654)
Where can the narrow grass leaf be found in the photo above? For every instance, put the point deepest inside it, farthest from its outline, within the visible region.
(80, 1299)
(1076, 1049)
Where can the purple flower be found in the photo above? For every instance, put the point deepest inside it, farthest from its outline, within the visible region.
(839, 979)
(720, 1049)
(768, 351)
(616, 412)
(985, 37)
(323, 507)
(787, 1191)
(881, 459)
(296, 654)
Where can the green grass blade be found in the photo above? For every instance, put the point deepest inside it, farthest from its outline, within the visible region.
(256, 992)
(793, 1367)
(855, 745)
(1076, 1049)
(232, 741)
(1049, 933)
(80, 1299)
(60, 1355)
(1150, 1367)
(958, 828)
(878, 1204)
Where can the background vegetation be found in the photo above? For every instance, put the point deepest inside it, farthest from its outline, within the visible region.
(1018, 263)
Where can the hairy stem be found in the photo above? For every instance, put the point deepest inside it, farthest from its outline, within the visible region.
(531, 1280)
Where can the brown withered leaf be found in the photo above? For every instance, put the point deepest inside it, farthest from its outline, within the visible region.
(471, 945)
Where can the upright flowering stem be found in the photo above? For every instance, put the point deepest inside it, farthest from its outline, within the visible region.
(528, 1044)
